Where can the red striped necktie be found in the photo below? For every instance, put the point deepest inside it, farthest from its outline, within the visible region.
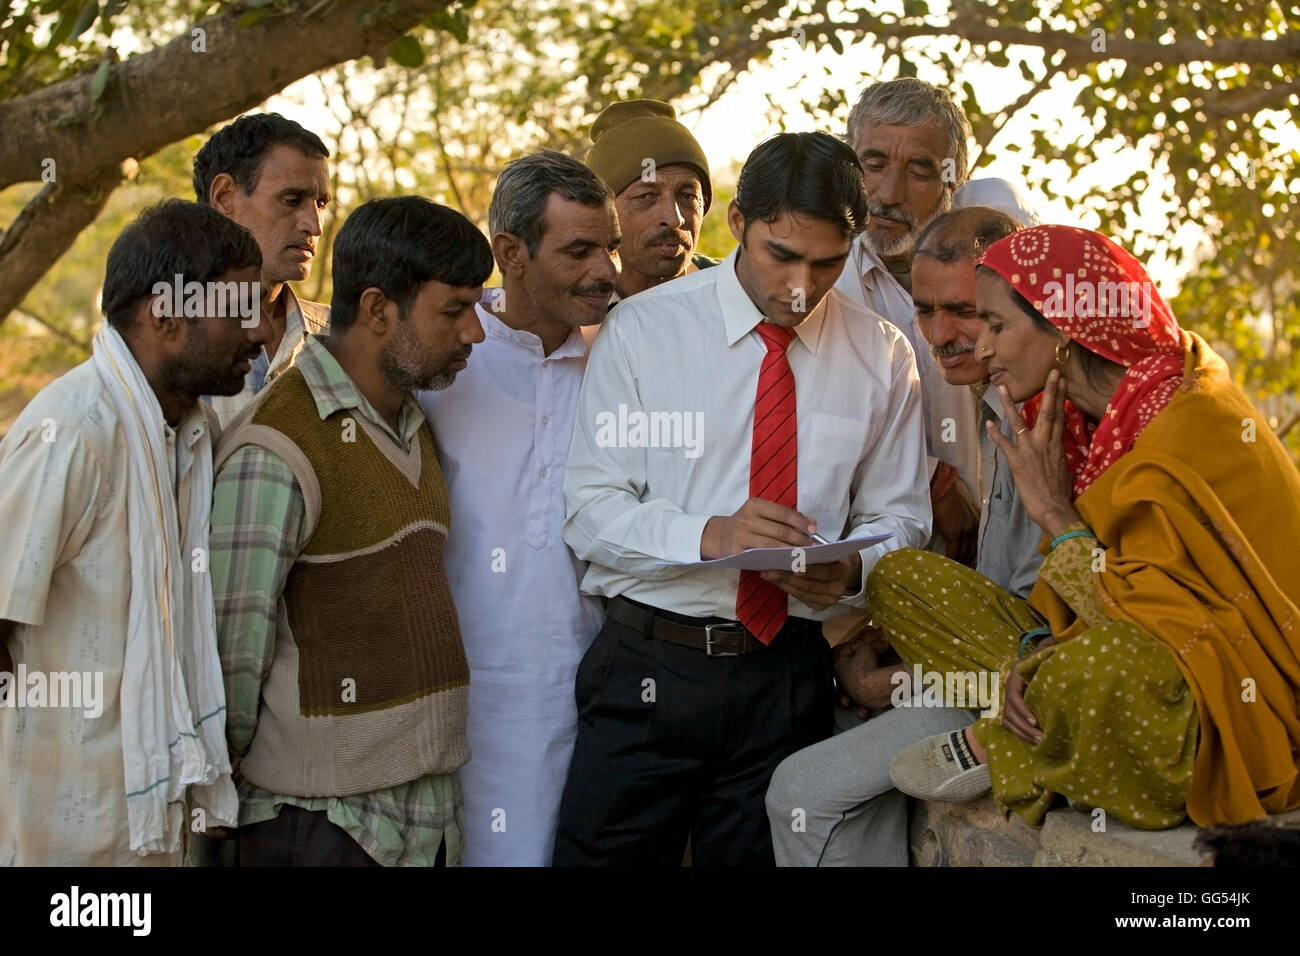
(773, 474)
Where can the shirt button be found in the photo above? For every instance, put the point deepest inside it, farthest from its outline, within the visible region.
(542, 472)
(545, 419)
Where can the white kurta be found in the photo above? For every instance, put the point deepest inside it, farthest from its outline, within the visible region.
(65, 580)
(503, 432)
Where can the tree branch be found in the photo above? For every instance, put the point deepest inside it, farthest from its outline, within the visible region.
(435, 114)
(46, 228)
(1247, 101)
(1289, 424)
(171, 92)
(157, 98)
(1077, 47)
(1008, 112)
(57, 332)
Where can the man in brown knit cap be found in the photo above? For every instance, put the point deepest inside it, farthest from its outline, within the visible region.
(660, 179)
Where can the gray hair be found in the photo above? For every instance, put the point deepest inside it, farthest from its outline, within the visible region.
(525, 185)
(908, 101)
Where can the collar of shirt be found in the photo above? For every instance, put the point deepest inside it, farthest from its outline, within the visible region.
(990, 402)
(699, 260)
(334, 391)
(871, 270)
(740, 316)
(192, 427)
(574, 346)
(294, 334)
(180, 442)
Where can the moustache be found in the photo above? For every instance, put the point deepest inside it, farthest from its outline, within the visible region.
(952, 348)
(671, 234)
(600, 288)
(897, 213)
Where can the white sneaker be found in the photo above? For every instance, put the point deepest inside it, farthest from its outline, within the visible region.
(941, 767)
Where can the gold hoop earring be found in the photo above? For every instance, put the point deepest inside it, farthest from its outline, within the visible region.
(1061, 360)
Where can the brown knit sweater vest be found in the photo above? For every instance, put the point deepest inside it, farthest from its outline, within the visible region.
(369, 683)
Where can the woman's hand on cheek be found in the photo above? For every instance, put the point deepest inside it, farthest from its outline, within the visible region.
(1036, 457)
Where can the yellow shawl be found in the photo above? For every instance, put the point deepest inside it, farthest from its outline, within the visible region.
(1200, 523)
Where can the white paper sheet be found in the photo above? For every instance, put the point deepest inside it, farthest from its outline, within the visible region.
(782, 559)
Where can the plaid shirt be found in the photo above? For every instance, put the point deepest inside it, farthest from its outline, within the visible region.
(257, 520)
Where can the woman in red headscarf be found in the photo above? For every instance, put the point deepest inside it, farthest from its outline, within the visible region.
(1155, 669)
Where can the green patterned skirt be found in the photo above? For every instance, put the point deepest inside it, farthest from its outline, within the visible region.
(1119, 722)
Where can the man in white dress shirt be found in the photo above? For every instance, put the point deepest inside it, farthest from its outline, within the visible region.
(749, 405)
(503, 433)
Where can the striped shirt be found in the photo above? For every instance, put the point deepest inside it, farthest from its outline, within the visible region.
(257, 520)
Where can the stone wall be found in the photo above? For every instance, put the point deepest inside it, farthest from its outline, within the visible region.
(974, 834)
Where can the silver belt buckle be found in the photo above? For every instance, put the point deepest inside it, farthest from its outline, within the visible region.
(731, 628)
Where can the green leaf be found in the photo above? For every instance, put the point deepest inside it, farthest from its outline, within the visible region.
(62, 30)
(100, 81)
(457, 24)
(406, 51)
(250, 18)
(89, 14)
(460, 27)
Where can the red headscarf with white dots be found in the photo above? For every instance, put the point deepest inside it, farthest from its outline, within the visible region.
(1102, 298)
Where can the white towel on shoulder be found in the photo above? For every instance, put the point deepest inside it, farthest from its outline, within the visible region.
(173, 702)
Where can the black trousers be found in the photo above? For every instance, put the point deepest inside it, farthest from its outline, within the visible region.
(298, 837)
(673, 742)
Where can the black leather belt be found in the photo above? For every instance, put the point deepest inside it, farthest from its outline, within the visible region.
(717, 637)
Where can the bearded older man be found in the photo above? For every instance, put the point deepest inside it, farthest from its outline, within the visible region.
(911, 139)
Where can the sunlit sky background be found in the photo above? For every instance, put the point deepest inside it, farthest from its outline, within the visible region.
(730, 128)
